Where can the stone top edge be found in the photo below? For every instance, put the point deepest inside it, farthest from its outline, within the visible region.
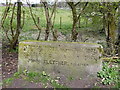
(82, 43)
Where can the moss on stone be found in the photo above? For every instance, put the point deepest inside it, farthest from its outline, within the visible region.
(60, 42)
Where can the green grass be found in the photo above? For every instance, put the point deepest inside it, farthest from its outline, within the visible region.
(35, 77)
(66, 16)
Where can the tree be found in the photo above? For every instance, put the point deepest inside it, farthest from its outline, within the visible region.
(76, 17)
(39, 28)
(49, 23)
(109, 21)
(15, 38)
(11, 32)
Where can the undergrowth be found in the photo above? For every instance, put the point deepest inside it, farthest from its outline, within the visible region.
(110, 74)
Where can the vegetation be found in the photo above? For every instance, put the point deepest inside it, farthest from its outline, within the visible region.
(35, 77)
(19, 23)
(109, 74)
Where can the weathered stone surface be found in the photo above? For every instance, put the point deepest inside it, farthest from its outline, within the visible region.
(68, 58)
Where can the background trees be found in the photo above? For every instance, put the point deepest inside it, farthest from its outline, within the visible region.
(109, 21)
(75, 17)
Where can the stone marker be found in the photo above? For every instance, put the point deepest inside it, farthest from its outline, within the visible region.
(71, 59)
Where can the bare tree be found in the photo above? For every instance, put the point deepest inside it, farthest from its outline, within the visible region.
(35, 22)
(13, 35)
(49, 23)
(76, 17)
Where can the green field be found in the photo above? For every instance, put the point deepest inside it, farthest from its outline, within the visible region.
(66, 16)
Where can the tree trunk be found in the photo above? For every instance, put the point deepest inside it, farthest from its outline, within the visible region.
(74, 32)
(104, 24)
(47, 31)
(118, 33)
(55, 35)
(48, 24)
(15, 38)
(75, 20)
(111, 33)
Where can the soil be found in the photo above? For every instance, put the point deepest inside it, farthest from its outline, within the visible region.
(9, 67)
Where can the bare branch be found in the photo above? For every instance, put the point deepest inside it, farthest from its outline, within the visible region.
(11, 21)
(39, 28)
(54, 8)
(5, 14)
(77, 3)
(82, 9)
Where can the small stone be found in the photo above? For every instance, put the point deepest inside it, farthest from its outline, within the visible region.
(57, 80)
(9, 73)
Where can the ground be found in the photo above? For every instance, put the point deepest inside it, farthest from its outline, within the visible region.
(9, 67)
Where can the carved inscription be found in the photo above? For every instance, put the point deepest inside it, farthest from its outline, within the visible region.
(36, 59)
(57, 62)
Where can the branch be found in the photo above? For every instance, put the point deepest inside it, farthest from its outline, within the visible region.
(6, 32)
(53, 20)
(11, 21)
(54, 8)
(77, 3)
(33, 17)
(5, 15)
(46, 10)
(71, 4)
(39, 28)
(82, 9)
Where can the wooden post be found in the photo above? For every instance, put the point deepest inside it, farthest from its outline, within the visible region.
(60, 22)
(38, 20)
(86, 21)
(79, 23)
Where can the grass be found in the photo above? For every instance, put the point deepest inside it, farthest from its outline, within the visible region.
(66, 16)
(35, 77)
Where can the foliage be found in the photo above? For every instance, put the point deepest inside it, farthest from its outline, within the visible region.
(109, 74)
(14, 50)
(8, 81)
(17, 74)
